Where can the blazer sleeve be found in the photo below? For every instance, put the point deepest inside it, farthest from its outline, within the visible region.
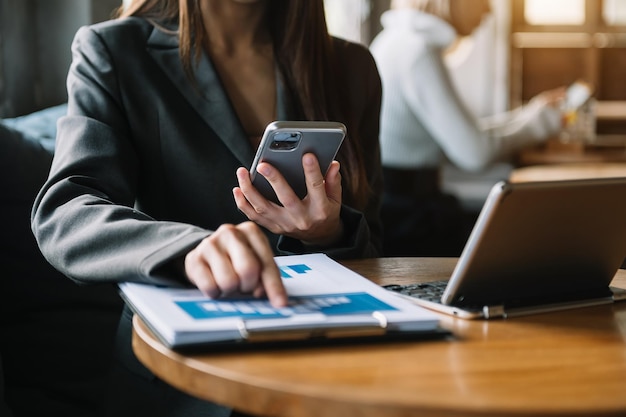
(83, 218)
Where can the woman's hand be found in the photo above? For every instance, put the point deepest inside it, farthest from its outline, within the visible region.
(314, 220)
(236, 259)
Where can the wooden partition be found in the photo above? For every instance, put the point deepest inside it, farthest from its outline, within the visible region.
(546, 54)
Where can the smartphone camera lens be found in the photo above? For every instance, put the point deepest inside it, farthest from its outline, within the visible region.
(285, 141)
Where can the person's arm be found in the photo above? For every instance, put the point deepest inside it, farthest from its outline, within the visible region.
(85, 219)
(539, 119)
(467, 142)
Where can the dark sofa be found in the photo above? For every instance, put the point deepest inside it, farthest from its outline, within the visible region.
(56, 336)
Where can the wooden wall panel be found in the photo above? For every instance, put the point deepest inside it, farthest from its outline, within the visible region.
(612, 79)
(544, 69)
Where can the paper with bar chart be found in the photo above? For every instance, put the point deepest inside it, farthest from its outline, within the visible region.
(326, 299)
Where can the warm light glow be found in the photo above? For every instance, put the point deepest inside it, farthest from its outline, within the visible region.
(554, 12)
(345, 18)
(614, 12)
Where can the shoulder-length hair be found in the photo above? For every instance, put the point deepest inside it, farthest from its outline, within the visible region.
(304, 53)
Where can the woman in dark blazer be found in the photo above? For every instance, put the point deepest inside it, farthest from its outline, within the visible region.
(149, 181)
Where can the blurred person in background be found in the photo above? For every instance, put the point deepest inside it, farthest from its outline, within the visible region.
(424, 123)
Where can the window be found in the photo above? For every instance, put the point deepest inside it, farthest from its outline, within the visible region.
(614, 12)
(355, 20)
(555, 12)
(555, 42)
(346, 18)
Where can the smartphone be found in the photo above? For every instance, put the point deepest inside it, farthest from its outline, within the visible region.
(285, 142)
(577, 94)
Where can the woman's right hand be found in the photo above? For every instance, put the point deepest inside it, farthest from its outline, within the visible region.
(236, 258)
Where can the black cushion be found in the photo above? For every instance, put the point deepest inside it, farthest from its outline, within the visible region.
(57, 336)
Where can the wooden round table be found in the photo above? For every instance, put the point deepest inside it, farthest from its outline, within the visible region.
(570, 363)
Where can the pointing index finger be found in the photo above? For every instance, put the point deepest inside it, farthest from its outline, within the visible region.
(270, 275)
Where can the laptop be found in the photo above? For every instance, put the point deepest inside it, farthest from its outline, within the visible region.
(536, 247)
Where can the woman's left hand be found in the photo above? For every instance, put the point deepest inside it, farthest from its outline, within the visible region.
(314, 220)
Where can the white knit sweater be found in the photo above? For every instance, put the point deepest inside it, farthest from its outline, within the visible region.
(423, 120)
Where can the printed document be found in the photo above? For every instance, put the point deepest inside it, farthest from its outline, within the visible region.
(326, 300)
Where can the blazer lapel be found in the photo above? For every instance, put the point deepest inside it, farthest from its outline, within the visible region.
(207, 97)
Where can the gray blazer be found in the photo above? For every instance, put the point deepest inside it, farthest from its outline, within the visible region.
(145, 160)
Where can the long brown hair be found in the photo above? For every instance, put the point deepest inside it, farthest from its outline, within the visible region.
(304, 54)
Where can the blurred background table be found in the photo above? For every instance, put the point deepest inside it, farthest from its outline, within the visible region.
(568, 171)
(605, 148)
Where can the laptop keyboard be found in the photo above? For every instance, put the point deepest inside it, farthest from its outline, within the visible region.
(429, 291)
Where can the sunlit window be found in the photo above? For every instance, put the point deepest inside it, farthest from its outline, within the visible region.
(614, 12)
(345, 18)
(555, 12)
